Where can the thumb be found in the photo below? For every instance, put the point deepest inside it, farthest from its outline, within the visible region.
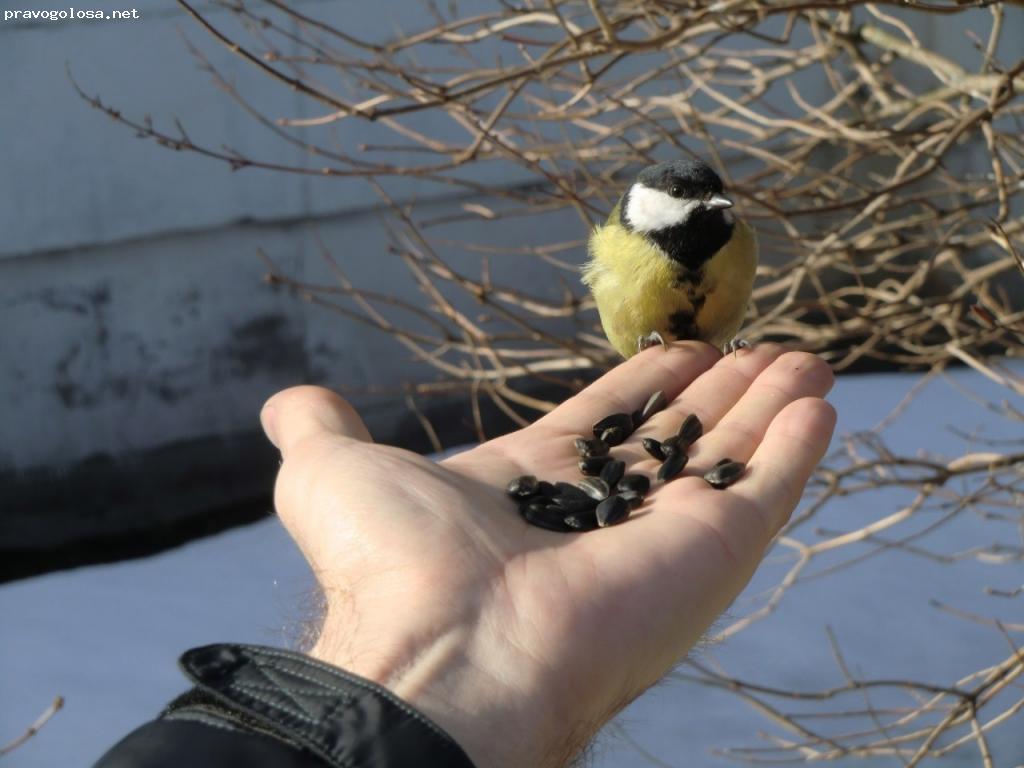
(299, 413)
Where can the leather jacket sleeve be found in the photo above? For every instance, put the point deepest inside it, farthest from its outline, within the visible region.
(259, 707)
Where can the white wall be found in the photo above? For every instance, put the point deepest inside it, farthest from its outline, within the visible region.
(129, 282)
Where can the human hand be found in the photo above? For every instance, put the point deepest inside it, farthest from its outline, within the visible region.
(522, 642)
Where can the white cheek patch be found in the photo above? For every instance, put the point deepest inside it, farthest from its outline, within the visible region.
(651, 210)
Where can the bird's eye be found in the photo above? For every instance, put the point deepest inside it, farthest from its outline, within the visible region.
(676, 191)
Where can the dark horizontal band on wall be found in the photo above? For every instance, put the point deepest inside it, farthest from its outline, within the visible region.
(108, 508)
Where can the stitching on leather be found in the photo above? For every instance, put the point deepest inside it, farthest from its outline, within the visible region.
(318, 688)
(277, 686)
(239, 688)
(323, 684)
(199, 716)
(365, 685)
(299, 711)
(378, 690)
(259, 656)
(215, 717)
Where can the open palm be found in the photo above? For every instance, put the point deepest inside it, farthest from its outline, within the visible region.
(522, 642)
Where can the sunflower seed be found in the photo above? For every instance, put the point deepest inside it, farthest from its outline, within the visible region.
(544, 516)
(723, 475)
(595, 488)
(545, 489)
(588, 449)
(723, 461)
(594, 464)
(612, 472)
(571, 499)
(522, 487)
(638, 483)
(632, 498)
(673, 466)
(581, 521)
(637, 417)
(655, 403)
(622, 421)
(653, 447)
(532, 507)
(672, 445)
(690, 431)
(615, 435)
(612, 510)
(567, 489)
(574, 504)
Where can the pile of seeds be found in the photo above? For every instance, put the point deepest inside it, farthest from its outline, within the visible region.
(606, 494)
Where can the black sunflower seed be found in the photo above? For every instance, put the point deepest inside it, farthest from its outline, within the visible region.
(532, 507)
(653, 447)
(545, 489)
(690, 431)
(615, 435)
(595, 488)
(522, 487)
(571, 499)
(672, 445)
(723, 475)
(594, 464)
(632, 498)
(622, 421)
(574, 504)
(613, 471)
(544, 516)
(726, 460)
(673, 466)
(612, 510)
(567, 489)
(638, 483)
(637, 417)
(581, 521)
(588, 449)
(655, 403)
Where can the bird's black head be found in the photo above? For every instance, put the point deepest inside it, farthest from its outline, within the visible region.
(682, 179)
(680, 206)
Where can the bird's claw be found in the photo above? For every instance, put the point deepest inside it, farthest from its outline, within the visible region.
(652, 338)
(735, 345)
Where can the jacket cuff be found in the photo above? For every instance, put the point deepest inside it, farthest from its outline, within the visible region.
(343, 719)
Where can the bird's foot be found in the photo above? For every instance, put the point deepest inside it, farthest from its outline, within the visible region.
(735, 345)
(652, 338)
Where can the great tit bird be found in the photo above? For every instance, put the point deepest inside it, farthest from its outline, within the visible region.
(672, 262)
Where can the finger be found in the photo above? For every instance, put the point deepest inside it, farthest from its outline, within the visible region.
(737, 434)
(295, 415)
(626, 387)
(710, 397)
(716, 391)
(308, 424)
(776, 475)
(703, 544)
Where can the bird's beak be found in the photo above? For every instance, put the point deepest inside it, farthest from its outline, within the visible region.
(717, 201)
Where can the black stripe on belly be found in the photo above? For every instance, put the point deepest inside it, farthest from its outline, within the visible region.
(683, 324)
(690, 281)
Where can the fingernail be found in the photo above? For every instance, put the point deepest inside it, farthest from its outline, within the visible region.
(268, 418)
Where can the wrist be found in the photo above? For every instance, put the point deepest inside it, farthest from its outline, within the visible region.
(490, 702)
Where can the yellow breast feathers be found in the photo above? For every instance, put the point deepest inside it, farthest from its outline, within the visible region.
(639, 289)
